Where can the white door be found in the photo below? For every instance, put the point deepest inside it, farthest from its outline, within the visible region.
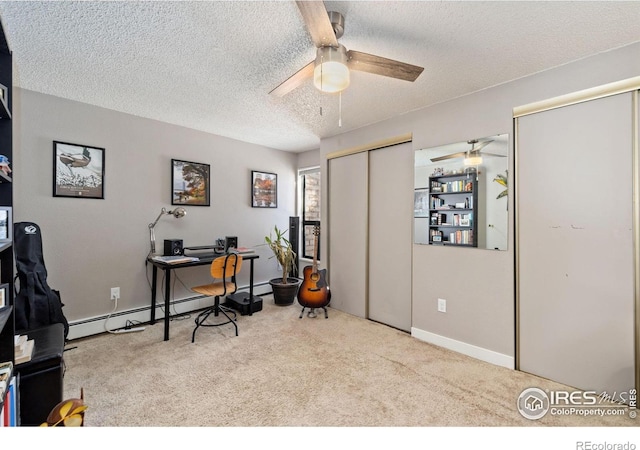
(390, 235)
(348, 233)
(575, 245)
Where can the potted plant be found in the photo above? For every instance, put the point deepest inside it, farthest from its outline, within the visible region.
(285, 287)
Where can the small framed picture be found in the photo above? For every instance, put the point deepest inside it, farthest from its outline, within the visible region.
(421, 202)
(4, 294)
(436, 238)
(78, 171)
(190, 183)
(5, 224)
(465, 222)
(4, 94)
(264, 189)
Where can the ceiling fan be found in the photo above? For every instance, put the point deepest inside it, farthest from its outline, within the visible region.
(473, 156)
(330, 69)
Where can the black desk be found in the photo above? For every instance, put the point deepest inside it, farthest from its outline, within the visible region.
(204, 260)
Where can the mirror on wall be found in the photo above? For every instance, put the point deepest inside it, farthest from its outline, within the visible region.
(460, 196)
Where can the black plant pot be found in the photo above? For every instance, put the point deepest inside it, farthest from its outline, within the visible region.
(284, 294)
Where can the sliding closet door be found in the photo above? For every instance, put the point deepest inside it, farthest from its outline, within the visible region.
(575, 258)
(390, 235)
(348, 211)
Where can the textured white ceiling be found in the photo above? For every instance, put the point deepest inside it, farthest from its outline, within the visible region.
(209, 65)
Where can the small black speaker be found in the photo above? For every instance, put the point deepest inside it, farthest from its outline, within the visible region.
(294, 232)
(173, 247)
(230, 242)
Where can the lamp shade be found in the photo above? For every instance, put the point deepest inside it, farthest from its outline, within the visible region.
(331, 73)
(473, 161)
(178, 212)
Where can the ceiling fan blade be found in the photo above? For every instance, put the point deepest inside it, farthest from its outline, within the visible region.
(378, 65)
(294, 80)
(451, 156)
(492, 154)
(481, 145)
(317, 20)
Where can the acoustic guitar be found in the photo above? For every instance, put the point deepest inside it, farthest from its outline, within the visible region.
(314, 291)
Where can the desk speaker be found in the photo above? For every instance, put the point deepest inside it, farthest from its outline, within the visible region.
(230, 242)
(173, 247)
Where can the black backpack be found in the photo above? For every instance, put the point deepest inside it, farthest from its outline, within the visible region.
(36, 304)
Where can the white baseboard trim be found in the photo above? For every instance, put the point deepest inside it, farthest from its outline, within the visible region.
(118, 319)
(480, 353)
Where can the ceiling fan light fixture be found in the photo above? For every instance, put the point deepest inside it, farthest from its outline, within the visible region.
(331, 73)
(473, 161)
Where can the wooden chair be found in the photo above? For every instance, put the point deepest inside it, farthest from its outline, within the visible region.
(223, 271)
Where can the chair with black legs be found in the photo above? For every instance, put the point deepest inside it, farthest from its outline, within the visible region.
(224, 270)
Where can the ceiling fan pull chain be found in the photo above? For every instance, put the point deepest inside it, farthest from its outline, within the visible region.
(322, 73)
(340, 109)
(321, 78)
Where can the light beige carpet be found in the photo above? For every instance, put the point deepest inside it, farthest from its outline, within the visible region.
(286, 371)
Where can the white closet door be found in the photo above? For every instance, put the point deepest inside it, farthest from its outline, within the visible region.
(348, 234)
(575, 245)
(390, 223)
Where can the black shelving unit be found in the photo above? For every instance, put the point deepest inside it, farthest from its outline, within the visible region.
(7, 318)
(453, 209)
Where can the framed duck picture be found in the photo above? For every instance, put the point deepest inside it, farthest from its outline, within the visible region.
(78, 170)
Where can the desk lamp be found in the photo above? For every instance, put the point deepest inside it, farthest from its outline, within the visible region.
(177, 213)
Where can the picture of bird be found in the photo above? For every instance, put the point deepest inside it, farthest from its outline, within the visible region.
(76, 160)
(79, 170)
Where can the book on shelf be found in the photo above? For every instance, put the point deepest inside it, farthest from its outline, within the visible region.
(26, 353)
(19, 341)
(6, 370)
(13, 403)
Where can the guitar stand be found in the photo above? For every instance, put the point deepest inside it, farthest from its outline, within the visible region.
(312, 313)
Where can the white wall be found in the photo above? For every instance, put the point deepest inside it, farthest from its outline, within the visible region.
(91, 245)
(310, 158)
(478, 284)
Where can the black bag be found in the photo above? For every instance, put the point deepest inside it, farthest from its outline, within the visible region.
(36, 304)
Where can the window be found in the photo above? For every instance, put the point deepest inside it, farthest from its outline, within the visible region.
(310, 207)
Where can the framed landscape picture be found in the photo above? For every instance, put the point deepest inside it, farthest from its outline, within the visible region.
(190, 183)
(4, 294)
(78, 170)
(5, 224)
(264, 189)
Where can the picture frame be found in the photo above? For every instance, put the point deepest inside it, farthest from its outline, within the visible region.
(4, 294)
(4, 96)
(190, 183)
(264, 189)
(421, 202)
(78, 170)
(6, 221)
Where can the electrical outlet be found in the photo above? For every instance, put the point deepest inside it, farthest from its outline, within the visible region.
(442, 305)
(115, 293)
